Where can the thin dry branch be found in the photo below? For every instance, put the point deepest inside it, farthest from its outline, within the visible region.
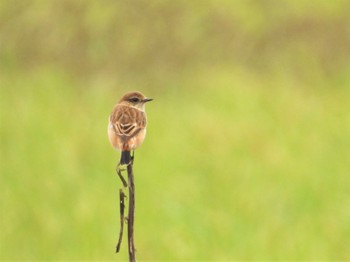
(131, 211)
(131, 214)
(122, 207)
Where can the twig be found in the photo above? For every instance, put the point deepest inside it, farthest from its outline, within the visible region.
(131, 245)
(122, 207)
(131, 212)
(119, 172)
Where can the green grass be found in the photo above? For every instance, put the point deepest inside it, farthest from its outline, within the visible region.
(235, 166)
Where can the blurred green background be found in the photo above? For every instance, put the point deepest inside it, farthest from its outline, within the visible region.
(247, 151)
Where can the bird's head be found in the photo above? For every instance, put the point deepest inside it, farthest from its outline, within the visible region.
(135, 99)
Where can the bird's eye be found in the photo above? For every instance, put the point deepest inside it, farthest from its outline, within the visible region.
(134, 100)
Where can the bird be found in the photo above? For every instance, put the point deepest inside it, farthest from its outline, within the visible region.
(127, 124)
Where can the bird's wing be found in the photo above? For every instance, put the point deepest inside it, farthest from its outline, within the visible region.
(127, 121)
(125, 129)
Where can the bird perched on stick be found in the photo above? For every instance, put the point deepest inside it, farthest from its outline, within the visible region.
(127, 124)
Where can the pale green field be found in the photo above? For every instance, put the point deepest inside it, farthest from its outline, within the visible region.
(248, 145)
(230, 170)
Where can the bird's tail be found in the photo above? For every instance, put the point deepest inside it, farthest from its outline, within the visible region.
(125, 158)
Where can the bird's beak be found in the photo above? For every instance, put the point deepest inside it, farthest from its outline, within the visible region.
(147, 100)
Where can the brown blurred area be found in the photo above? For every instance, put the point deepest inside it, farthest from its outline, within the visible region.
(147, 38)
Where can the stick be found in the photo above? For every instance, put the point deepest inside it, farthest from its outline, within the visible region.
(122, 207)
(119, 172)
(131, 245)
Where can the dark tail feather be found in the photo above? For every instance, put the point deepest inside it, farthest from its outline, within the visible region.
(125, 158)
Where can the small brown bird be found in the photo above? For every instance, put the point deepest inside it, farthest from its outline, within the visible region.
(127, 124)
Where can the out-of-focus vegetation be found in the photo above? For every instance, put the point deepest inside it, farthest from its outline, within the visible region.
(247, 152)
